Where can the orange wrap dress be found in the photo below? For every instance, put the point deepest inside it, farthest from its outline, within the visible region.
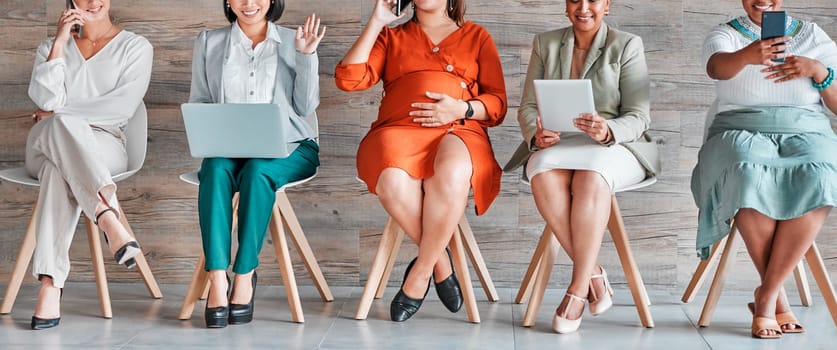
(466, 66)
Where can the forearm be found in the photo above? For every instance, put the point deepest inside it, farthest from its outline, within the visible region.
(57, 50)
(359, 52)
(725, 65)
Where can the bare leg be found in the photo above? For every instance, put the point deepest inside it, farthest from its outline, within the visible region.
(49, 300)
(588, 219)
(446, 194)
(551, 190)
(217, 289)
(109, 223)
(242, 288)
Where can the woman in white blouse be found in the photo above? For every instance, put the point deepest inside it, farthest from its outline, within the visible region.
(770, 156)
(252, 60)
(86, 85)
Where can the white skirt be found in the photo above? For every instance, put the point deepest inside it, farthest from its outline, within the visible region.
(616, 164)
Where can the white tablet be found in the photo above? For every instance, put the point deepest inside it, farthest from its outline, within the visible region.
(247, 130)
(561, 101)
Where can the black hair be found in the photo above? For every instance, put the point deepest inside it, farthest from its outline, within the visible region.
(274, 12)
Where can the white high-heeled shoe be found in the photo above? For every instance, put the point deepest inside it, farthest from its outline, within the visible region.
(560, 322)
(600, 304)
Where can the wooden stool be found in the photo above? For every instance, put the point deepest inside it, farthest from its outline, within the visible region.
(730, 246)
(283, 217)
(542, 260)
(136, 137)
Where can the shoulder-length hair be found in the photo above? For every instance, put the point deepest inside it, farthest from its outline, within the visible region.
(274, 12)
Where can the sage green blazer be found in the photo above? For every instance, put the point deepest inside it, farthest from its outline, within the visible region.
(616, 67)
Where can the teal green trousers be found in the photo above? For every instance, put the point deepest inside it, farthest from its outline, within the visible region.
(256, 181)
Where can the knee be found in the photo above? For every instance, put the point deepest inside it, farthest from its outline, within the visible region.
(254, 171)
(389, 185)
(64, 124)
(452, 176)
(589, 184)
(214, 170)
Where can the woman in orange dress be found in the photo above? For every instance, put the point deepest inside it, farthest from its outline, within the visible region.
(443, 86)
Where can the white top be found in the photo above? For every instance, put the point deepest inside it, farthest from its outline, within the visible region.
(749, 88)
(105, 89)
(250, 74)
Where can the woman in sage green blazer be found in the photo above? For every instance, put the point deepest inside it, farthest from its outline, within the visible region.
(573, 174)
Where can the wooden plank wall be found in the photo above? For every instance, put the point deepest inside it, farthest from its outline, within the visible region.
(342, 220)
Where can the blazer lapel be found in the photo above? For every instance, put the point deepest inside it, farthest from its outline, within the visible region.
(565, 53)
(215, 64)
(596, 49)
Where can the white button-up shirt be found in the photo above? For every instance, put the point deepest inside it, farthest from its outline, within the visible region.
(250, 74)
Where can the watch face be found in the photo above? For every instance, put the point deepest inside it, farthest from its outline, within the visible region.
(470, 112)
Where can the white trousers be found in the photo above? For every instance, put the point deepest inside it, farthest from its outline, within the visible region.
(73, 162)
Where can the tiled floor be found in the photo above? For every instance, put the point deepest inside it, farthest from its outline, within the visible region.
(143, 323)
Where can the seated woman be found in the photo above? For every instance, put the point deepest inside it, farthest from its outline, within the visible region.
(252, 61)
(770, 156)
(443, 86)
(573, 174)
(86, 86)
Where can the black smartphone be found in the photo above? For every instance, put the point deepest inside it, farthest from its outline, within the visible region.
(76, 27)
(773, 26)
(400, 6)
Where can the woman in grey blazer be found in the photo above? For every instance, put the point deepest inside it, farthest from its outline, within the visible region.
(574, 174)
(252, 61)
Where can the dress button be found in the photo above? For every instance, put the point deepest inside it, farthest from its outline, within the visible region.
(252, 73)
(435, 49)
(251, 93)
(463, 85)
(449, 68)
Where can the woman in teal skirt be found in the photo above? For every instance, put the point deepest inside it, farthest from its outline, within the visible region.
(770, 157)
(252, 60)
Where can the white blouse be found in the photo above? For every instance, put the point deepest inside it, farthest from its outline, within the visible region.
(750, 88)
(250, 74)
(105, 89)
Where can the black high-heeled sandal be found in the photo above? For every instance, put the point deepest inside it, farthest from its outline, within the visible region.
(243, 313)
(402, 306)
(46, 323)
(216, 317)
(126, 253)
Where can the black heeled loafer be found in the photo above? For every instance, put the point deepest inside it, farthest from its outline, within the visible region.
(243, 313)
(46, 323)
(216, 317)
(402, 306)
(448, 290)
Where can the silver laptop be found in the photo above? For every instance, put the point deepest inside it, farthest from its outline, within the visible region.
(561, 101)
(229, 130)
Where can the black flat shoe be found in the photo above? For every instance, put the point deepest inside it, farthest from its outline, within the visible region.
(126, 253)
(402, 306)
(243, 313)
(216, 317)
(448, 290)
(44, 323)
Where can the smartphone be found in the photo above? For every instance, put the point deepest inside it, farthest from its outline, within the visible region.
(400, 6)
(773, 26)
(76, 27)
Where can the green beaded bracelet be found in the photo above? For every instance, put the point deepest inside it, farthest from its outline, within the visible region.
(826, 82)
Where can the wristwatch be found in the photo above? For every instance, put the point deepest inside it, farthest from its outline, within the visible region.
(470, 112)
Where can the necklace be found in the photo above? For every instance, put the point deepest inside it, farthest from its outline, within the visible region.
(103, 37)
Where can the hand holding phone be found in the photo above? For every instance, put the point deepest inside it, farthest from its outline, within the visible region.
(400, 6)
(773, 26)
(76, 28)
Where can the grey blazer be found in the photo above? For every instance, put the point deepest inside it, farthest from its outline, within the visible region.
(616, 66)
(297, 83)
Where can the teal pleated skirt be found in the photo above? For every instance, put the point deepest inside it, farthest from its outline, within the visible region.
(780, 161)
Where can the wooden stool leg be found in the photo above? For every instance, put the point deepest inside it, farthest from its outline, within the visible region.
(477, 261)
(197, 286)
(376, 271)
(24, 256)
(620, 240)
(817, 266)
(544, 270)
(802, 284)
(527, 282)
(142, 264)
(205, 293)
(727, 255)
(99, 268)
(393, 249)
(280, 243)
(298, 237)
(700, 273)
(464, 277)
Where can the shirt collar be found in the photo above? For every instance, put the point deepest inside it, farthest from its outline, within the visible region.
(239, 38)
